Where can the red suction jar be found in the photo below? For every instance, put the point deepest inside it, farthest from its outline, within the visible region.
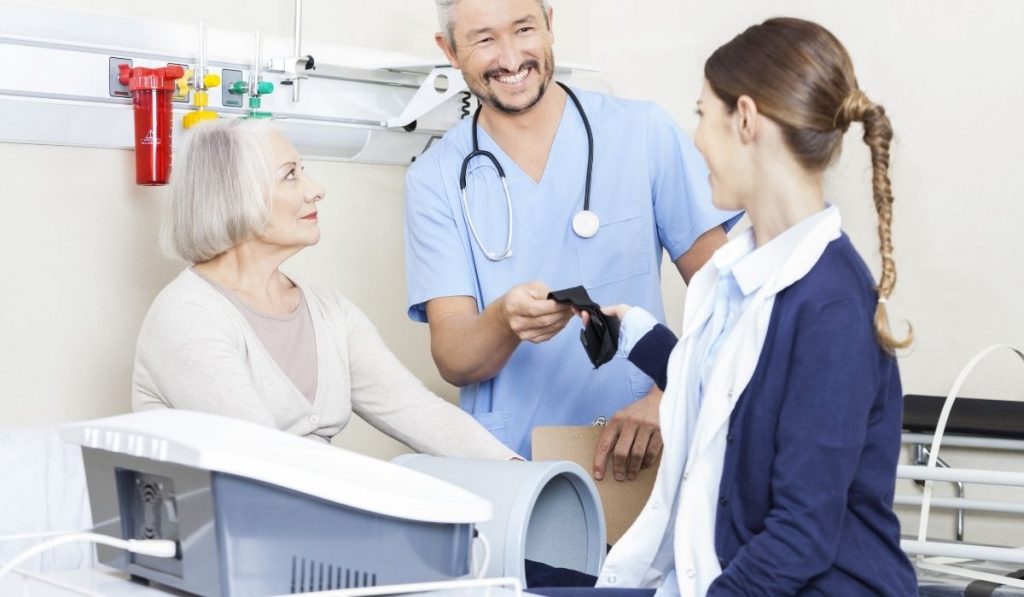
(152, 92)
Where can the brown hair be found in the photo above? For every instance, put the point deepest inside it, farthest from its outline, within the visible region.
(802, 78)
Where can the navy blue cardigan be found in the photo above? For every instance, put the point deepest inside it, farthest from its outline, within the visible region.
(805, 501)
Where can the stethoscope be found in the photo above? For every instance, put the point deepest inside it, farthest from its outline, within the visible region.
(585, 223)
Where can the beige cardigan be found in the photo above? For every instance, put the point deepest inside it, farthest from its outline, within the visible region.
(196, 351)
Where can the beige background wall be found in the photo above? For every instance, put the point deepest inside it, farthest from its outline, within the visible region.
(80, 262)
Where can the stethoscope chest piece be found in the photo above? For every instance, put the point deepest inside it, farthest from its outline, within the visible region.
(585, 223)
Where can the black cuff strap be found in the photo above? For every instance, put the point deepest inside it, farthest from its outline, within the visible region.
(601, 337)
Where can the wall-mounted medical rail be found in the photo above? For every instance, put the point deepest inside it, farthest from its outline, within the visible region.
(58, 84)
(73, 72)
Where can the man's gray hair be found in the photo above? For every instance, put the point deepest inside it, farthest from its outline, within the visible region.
(446, 17)
(220, 188)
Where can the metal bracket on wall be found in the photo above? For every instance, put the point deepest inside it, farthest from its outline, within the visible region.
(441, 84)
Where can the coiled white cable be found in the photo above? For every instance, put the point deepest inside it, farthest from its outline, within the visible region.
(940, 429)
(41, 535)
(159, 548)
(940, 564)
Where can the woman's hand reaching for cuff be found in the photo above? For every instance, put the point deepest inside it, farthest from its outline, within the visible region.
(616, 311)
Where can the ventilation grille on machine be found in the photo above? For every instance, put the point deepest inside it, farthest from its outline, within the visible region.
(150, 502)
(148, 506)
(310, 575)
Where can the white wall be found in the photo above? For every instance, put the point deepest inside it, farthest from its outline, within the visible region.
(80, 264)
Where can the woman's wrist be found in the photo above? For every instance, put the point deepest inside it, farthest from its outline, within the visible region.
(635, 324)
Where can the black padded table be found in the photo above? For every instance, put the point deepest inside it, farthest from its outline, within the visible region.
(970, 416)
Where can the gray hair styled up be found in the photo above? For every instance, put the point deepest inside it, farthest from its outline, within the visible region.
(446, 17)
(220, 189)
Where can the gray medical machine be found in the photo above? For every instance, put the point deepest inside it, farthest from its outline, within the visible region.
(547, 512)
(255, 511)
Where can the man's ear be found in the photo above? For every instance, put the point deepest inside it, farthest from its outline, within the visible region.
(449, 51)
(747, 118)
(551, 24)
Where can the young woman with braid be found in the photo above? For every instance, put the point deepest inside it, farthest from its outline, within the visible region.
(782, 408)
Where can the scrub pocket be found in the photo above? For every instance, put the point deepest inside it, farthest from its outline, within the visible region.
(620, 250)
(498, 423)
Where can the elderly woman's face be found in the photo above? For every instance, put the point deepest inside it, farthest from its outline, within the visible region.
(293, 211)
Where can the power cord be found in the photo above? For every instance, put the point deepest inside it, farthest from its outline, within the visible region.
(158, 548)
(485, 561)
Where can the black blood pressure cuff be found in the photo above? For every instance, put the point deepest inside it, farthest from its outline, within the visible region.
(601, 336)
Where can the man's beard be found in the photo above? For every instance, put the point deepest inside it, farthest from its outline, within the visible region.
(486, 96)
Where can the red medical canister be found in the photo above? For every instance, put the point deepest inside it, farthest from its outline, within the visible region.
(152, 92)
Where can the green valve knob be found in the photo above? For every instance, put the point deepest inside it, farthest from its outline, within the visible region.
(265, 87)
(239, 88)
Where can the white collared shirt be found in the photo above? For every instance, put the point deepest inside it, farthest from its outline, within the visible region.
(671, 545)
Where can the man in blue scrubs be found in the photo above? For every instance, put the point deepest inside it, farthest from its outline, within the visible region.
(493, 332)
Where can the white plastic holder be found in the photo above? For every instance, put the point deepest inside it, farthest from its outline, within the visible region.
(293, 67)
(548, 512)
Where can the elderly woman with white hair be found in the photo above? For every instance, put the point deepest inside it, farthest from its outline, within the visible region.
(233, 335)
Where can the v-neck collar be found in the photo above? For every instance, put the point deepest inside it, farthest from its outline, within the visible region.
(319, 339)
(505, 159)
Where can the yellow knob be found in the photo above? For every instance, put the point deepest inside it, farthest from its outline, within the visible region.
(211, 80)
(181, 86)
(193, 118)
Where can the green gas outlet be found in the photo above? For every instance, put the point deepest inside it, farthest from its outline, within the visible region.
(229, 79)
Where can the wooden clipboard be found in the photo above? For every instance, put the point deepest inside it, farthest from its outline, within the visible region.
(622, 500)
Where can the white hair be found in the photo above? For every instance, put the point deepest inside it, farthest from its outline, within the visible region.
(220, 188)
(446, 17)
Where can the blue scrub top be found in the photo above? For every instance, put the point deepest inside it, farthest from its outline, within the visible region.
(651, 193)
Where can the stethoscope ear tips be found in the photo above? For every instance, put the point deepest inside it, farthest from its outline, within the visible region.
(585, 223)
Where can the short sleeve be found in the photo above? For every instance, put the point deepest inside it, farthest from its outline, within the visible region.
(436, 259)
(679, 184)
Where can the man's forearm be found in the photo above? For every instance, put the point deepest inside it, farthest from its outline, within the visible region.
(471, 347)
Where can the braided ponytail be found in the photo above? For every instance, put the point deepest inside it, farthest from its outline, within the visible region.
(878, 135)
(797, 73)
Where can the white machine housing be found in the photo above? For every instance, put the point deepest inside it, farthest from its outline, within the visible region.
(259, 511)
